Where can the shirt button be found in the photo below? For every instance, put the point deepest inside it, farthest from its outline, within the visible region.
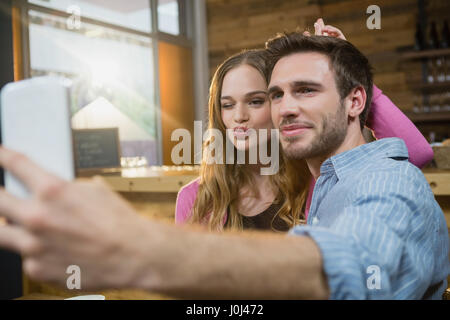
(315, 220)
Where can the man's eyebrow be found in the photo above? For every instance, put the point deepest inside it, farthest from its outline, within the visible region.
(299, 83)
(303, 83)
(274, 89)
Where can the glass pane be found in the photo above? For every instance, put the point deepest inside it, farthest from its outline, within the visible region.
(113, 78)
(168, 16)
(134, 14)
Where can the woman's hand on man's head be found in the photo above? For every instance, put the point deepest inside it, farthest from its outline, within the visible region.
(320, 29)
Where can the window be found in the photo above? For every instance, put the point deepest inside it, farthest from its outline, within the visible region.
(108, 48)
(169, 16)
(133, 14)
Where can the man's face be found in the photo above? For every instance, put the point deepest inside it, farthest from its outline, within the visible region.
(306, 106)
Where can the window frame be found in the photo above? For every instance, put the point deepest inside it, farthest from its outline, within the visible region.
(185, 39)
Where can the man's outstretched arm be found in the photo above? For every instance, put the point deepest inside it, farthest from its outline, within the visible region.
(198, 264)
(86, 224)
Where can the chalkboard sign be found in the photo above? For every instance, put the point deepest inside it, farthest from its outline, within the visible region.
(96, 148)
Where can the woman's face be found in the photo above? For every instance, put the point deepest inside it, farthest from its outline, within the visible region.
(245, 105)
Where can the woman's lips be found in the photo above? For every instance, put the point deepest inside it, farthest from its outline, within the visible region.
(293, 130)
(240, 132)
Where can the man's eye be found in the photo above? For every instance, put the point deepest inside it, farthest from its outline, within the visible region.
(257, 102)
(305, 90)
(276, 95)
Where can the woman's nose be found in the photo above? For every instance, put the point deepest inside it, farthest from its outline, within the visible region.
(241, 114)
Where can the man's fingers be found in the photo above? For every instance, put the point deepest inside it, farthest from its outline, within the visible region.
(12, 208)
(34, 177)
(17, 239)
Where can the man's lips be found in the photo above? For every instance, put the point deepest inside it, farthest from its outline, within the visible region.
(293, 129)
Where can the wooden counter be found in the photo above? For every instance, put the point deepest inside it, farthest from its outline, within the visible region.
(171, 180)
(151, 189)
(439, 181)
(149, 179)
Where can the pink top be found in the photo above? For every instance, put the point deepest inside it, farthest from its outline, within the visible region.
(384, 118)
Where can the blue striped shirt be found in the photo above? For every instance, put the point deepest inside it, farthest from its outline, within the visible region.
(380, 231)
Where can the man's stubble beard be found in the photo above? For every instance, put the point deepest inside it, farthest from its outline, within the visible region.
(334, 131)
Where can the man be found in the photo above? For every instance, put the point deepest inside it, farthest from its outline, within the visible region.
(372, 211)
(375, 230)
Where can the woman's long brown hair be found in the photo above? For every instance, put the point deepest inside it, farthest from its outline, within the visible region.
(218, 192)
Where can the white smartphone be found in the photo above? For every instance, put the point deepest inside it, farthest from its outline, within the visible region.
(35, 120)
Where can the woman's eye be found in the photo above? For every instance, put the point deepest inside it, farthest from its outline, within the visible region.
(226, 105)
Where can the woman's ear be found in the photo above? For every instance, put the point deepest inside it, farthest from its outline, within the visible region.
(358, 99)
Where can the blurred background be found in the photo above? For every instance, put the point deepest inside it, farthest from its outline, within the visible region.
(141, 69)
(144, 66)
(409, 53)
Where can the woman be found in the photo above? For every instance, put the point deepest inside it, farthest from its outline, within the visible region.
(237, 196)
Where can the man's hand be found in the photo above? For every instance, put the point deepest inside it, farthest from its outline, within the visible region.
(86, 224)
(64, 223)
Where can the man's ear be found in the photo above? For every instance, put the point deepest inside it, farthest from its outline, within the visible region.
(357, 98)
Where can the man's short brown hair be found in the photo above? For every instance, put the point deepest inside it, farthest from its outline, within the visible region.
(351, 68)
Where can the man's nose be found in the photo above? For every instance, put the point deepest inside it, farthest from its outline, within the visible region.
(289, 107)
(241, 113)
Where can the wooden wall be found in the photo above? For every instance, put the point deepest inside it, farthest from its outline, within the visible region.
(234, 25)
(237, 24)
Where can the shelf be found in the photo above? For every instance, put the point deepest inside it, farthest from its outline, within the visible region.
(430, 87)
(438, 180)
(429, 117)
(425, 54)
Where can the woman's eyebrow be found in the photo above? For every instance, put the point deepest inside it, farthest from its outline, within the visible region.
(248, 94)
(255, 92)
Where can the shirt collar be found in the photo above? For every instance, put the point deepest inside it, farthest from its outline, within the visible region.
(347, 161)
